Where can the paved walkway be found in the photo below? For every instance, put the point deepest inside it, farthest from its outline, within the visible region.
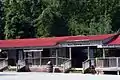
(54, 76)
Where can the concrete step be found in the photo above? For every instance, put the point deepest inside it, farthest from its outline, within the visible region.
(76, 70)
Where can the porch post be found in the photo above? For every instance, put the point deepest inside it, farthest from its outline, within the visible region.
(117, 72)
(24, 54)
(70, 54)
(88, 52)
(40, 58)
(117, 62)
(103, 53)
(7, 55)
(56, 57)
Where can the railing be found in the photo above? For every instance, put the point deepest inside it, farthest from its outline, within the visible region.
(3, 63)
(61, 62)
(44, 60)
(86, 64)
(20, 64)
(66, 65)
(107, 62)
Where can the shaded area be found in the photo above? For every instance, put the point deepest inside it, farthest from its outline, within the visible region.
(90, 70)
(8, 74)
(110, 72)
(116, 20)
(59, 27)
(24, 69)
(78, 56)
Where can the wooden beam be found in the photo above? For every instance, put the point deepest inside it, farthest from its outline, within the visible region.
(70, 54)
(40, 58)
(88, 52)
(56, 57)
(33, 50)
(103, 53)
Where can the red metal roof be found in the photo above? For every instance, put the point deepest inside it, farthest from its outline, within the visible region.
(35, 42)
(90, 37)
(51, 41)
(115, 41)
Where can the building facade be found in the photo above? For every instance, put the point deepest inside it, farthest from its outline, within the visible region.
(63, 52)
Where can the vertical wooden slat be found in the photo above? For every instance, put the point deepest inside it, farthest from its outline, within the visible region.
(56, 57)
(40, 58)
(70, 54)
(88, 52)
(103, 53)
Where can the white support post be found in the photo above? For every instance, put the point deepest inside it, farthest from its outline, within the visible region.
(103, 53)
(70, 54)
(96, 62)
(7, 55)
(24, 53)
(56, 57)
(117, 65)
(88, 52)
(117, 72)
(40, 58)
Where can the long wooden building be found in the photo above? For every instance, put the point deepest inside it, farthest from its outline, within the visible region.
(65, 52)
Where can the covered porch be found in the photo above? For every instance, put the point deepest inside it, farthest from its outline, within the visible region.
(38, 58)
(109, 61)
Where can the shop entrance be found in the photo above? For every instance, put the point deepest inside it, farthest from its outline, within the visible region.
(79, 54)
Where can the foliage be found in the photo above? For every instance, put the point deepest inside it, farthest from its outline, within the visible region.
(18, 20)
(1, 20)
(43, 18)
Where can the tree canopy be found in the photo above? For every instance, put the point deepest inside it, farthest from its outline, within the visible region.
(44, 18)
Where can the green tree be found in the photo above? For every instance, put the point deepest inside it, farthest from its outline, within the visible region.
(50, 21)
(92, 16)
(116, 20)
(43, 18)
(43, 23)
(18, 20)
(1, 20)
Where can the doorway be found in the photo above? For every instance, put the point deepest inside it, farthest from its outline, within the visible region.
(79, 54)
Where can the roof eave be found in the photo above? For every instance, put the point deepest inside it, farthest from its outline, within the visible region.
(29, 47)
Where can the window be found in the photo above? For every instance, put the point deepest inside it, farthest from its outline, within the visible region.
(53, 52)
(46, 53)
